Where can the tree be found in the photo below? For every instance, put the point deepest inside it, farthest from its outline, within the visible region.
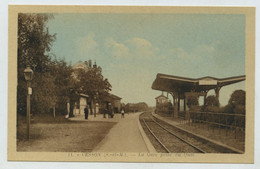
(63, 84)
(236, 103)
(92, 82)
(238, 97)
(211, 104)
(192, 100)
(44, 96)
(212, 101)
(34, 42)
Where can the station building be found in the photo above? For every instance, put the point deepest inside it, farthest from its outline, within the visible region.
(161, 99)
(79, 101)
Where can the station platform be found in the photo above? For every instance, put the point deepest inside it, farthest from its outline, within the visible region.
(99, 117)
(126, 136)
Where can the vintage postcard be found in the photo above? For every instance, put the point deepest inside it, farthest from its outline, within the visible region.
(131, 84)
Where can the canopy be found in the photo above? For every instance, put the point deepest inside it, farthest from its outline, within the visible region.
(178, 84)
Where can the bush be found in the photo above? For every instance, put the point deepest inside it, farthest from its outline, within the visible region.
(240, 109)
(214, 109)
(195, 108)
(229, 109)
(164, 107)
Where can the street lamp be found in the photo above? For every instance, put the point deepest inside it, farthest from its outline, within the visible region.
(28, 75)
(95, 106)
(95, 103)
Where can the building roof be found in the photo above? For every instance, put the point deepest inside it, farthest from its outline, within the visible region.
(111, 97)
(83, 95)
(169, 83)
(161, 96)
(115, 97)
(80, 65)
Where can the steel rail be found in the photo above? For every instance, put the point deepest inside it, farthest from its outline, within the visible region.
(168, 151)
(200, 150)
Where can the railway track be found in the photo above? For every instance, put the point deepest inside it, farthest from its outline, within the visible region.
(168, 139)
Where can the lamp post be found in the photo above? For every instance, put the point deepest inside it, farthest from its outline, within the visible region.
(28, 75)
(95, 103)
(95, 113)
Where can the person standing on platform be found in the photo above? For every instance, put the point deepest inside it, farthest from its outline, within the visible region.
(122, 113)
(86, 112)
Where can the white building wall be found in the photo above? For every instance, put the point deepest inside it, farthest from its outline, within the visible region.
(82, 104)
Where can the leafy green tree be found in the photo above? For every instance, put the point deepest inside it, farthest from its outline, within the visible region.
(64, 82)
(34, 42)
(211, 104)
(238, 97)
(192, 100)
(236, 103)
(92, 82)
(212, 101)
(44, 94)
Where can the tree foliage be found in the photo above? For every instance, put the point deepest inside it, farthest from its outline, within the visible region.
(92, 82)
(164, 108)
(236, 103)
(34, 41)
(53, 83)
(63, 84)
(44, 94)
(211, 104)
(192, 100)
(238, 97)
(212, 101)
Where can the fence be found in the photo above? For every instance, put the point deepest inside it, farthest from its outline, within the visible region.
(234, 122)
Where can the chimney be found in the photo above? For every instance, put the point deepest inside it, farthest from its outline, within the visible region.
(95, 65)
(89, 63)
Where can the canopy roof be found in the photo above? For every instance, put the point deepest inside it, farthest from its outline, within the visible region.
(171, 83)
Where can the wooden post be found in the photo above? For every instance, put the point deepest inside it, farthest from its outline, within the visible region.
(95, 111)
(175, 113)
(217, 89)
(54, 111)
(28, 114)
(235, 127)
(226, 125)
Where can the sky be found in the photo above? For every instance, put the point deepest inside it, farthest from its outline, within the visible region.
(133, 48)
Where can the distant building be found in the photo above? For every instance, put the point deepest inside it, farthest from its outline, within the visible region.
(87, 65)
(136, 107)
(161, 99)
(114, 100)
(80, 100)
(80, 104)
